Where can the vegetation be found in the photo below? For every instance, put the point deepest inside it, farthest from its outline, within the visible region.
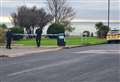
(17, 30)
(30, 18)
(55, 28)
(3, 26)
(86, 33)
(61, 12)
(92, 35)
(102, 30)
(68, 40)
(2, 35)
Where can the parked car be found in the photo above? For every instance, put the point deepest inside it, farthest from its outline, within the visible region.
(113, 36)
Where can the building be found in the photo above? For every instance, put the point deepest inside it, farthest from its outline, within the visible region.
(79, 25)
(87, 25)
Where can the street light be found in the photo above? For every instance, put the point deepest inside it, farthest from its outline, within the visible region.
(108, 13)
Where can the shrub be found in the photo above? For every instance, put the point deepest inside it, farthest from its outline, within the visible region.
(4, 26)
(2, 35)
(92, 34)
(17, 30)
(55, 28)
(86, 34)
(102, 30)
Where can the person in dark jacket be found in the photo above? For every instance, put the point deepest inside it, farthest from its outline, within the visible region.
(38, 36)
(9, 36)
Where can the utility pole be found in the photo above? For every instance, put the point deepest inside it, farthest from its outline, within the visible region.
(109, 13)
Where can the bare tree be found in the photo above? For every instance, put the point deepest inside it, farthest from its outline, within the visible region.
(60, 10)
(22, 17)
(42, 18)
(30, 18)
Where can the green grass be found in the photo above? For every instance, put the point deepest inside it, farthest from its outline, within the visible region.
(69, 41)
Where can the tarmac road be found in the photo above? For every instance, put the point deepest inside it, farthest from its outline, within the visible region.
(99, 63)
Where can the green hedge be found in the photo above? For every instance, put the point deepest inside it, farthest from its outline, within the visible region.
(55, 28)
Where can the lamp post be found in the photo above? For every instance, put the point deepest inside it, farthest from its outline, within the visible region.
(109, 13)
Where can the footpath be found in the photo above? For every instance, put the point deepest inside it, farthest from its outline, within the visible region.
(17, 51)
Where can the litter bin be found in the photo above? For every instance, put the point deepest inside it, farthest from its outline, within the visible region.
(61, 40)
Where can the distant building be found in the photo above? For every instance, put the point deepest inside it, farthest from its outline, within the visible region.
(87, 25)
(79, 25)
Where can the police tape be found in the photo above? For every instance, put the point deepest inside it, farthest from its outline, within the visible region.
(61, 34)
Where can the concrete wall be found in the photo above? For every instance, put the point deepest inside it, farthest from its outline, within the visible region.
(80, 27)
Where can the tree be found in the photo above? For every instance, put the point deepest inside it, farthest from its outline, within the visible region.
(4, 26)
(30, 18)
(86, 33)
(2, 35)
(68, 27)
(55, 28)
(61, 12)
(42, 18)
(22, 18)
(102, 30)
(92, 34)
(17, 30)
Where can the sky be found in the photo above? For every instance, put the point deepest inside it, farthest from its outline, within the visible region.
(84, 9)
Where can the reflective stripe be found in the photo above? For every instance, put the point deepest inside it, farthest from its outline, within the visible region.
(113, 37)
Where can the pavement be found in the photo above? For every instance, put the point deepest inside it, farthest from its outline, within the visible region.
(100, 63)
(20, 50)
(17, 51)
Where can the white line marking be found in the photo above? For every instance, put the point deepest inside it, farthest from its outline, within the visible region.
(66, 61)
(100, 51)
(44, 67)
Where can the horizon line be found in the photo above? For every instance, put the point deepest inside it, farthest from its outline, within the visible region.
(7, 19)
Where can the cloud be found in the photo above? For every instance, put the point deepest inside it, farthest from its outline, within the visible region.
(96, 9)
(16, 3)
(75, 3)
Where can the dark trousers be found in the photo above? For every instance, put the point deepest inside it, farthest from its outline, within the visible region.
(38, 42)
(8, 45)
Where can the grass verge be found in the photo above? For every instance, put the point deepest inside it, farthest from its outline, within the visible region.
(68, 40)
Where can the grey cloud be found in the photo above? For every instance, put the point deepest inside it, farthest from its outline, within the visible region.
(96, 9)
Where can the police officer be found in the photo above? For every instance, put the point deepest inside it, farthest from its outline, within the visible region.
(38, 36)
(9, 36)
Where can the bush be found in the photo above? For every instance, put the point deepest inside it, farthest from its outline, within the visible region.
(102, 30)
(55, 28)
(92, 34)
(4, 26)
(17, 30)
(86, 34)
(2, 35)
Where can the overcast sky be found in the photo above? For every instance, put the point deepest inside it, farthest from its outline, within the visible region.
(85, 9)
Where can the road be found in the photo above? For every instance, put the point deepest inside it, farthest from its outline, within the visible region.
(85, 64)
